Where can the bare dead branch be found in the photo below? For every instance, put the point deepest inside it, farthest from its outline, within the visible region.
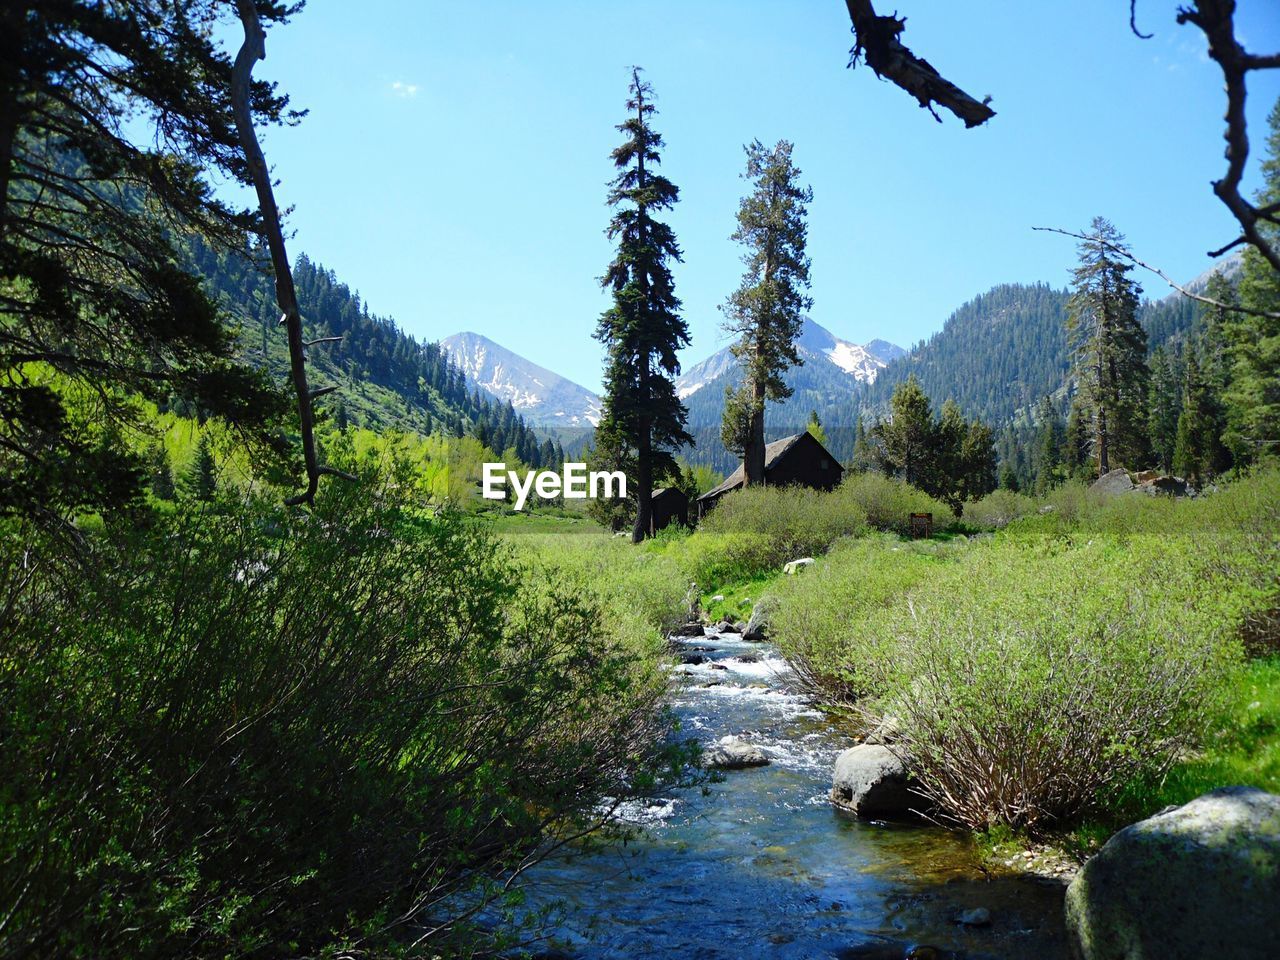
(877, 43)
(253, 49)
(1133, 22)
(1216, 19)
(1122, 252)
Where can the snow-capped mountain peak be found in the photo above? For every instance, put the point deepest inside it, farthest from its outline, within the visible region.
(542, 397)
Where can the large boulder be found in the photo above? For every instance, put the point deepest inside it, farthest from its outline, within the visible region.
(1165, 487)
(873, 782)
(795, 566)
(1114, 481)
(757, 629)
(733, 753)
(1197, 881)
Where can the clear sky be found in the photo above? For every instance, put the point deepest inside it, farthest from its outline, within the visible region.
(453, 166)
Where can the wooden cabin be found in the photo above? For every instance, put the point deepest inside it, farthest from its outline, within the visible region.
(799, 459)
(667, 506)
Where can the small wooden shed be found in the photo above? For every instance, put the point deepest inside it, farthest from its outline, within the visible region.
(667, 506)
(798, 459)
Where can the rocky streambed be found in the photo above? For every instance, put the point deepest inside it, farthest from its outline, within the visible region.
(761, 864)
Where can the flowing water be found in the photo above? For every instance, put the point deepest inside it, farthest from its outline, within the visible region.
(761, 865)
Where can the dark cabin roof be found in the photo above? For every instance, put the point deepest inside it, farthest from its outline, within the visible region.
(773, 452)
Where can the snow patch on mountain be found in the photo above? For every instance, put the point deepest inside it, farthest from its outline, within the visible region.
(543, 398)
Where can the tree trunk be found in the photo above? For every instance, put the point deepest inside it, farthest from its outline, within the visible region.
(644, 485)
(252, 50)
(11, 23)
(753, 450)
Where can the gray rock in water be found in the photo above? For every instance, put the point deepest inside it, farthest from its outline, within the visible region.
(977, 917)
(733, 753)
(727, 626)
(1114, 481)
(757, 629)
(1197, 881)
(872, 782)
(689, 630)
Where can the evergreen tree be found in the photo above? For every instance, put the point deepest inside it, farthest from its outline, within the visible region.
(114, 117)
(864, 452)
(643, 329)
(1164, 402)
(1109, 348)
(1008, 478)
(906, 439)
(202, 475)
(766, 312)
(1077, 456)
(814, 427)
(1197, 441)
(1253, 394)
(1051, 439)
(161, 474)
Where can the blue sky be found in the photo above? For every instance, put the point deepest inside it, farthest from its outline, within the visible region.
(453, 165)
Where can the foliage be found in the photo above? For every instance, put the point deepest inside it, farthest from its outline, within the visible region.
(948, 457)
(1102, 638)
(1109, 348)
(1253, 393)
(766, 313)
(643, 329)
(114, 119)
(280, 734)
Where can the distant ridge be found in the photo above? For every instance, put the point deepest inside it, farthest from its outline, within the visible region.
(542, 397)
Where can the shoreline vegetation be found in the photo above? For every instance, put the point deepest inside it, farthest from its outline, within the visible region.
(1055, 666)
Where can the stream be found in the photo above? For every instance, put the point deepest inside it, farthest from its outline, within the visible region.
(762, 865)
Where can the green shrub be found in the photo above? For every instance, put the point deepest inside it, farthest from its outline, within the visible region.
(794, 521)
(1068, 676)
(999, 508)
(887, 503)
(278, 734)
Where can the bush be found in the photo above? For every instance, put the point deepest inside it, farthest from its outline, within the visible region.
(279, 734)
(791, 521)
(1070, 676)
(887, 503)
(1038, 672)
(999, 508)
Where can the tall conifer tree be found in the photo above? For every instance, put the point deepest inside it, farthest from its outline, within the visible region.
(1109, 348)
(642, 420)
(766, 312)
(1253, 393)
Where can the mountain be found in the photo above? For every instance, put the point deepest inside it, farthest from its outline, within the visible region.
(828, 382)
(385, 378)
(542, 398)
(998, 354)
(816, 345)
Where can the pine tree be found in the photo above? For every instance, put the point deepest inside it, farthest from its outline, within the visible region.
(1164, 402)
(643, 329)
(906, 439)
(161, 474)
(1076, 454)
(1253, 394)
(814, 428)
(202, 475)
(864, 453)
(1008, 478)
(1197, 436)
(1109, 348)
(114, 118)
(766, 312)
(1052, 437)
